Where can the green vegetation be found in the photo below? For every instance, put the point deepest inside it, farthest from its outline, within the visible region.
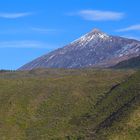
(129, 64)
(58, 104)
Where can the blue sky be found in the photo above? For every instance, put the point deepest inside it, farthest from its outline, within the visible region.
(31, 28)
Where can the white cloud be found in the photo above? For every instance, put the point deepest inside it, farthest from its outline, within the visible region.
(130, 28)
(14, 15)
(98, 15)
(25, 44)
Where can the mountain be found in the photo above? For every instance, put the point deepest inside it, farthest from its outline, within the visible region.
(130, 63)
(95, 49)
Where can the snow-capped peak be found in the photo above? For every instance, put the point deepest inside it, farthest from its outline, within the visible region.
(94, 35)
(98, 33)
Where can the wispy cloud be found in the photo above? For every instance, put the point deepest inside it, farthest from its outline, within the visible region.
(26, 44)
(14, 15)
(13, 31)
(28, 30)
(43, 30)
(130, 28)
(98, 15)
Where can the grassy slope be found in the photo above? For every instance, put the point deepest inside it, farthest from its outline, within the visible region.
(131, 63)
(69, 104)
(120, 111)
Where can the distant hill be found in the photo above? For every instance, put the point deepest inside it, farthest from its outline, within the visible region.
(95, 49)
(130, 63)
(84, 104)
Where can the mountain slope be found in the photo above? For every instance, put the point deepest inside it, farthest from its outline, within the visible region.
(130, 63)
(95, 49)
(101, 105)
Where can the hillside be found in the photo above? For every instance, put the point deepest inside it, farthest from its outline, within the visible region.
(84, 104)
(130, 63)
(95, 49)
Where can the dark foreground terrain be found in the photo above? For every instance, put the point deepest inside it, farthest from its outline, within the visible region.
(63, 104)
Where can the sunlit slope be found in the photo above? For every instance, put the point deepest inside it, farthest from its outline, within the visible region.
(69, 104)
